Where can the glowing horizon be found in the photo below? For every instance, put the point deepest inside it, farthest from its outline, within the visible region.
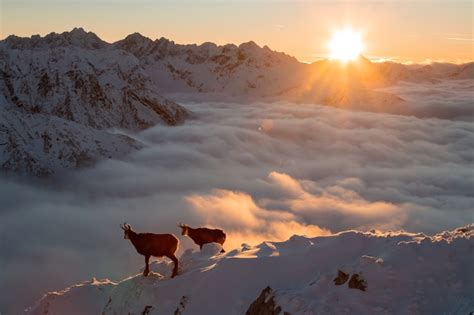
(403, 32)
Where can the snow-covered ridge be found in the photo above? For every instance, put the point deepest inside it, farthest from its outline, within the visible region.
(249, 71)
(245, 70)
(77, 37)
(60, 94)
(93, 86)
(391, 273)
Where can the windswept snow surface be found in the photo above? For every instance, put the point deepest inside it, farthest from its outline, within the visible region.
(405, 273)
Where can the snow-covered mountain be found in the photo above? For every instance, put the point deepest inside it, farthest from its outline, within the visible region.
(244, 70)
(349, 272)
(59, 96)
(251, 70)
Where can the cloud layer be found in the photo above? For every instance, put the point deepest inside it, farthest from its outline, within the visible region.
(260, 171)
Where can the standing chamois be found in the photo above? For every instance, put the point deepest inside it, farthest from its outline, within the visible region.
(202, 236)
(149, 244)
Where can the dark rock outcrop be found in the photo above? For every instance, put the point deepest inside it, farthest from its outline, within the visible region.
(265, 304)
(356, 282)
(341, 278)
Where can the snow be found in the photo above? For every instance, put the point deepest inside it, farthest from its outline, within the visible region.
(80, 78)
(405, 273)
(40, 144)
(60, 93)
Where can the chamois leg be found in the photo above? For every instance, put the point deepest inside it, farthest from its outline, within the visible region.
(175, 269)
(147, 270)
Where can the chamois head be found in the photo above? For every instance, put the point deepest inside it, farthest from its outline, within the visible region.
(184, 229)
(126, 230)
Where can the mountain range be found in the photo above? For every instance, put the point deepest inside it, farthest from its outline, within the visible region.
(63, 96)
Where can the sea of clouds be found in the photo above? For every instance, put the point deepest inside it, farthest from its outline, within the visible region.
(260, 171)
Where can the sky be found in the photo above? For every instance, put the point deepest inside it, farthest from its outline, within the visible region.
(403, 31)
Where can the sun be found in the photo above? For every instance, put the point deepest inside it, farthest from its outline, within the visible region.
(345, 45)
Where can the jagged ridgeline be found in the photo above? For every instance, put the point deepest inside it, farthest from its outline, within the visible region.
(61, 94)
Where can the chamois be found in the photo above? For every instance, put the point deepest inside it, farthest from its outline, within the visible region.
(149, 244)
(202, 236)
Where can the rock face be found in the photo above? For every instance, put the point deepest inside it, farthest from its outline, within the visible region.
(59, 96)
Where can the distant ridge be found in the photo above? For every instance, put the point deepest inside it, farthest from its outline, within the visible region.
(77, 85)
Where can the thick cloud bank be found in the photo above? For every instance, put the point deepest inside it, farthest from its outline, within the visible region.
(260, 171)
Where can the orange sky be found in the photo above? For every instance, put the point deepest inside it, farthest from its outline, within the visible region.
(404, 30)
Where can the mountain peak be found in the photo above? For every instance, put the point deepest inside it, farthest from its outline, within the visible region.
(78, 31)
(135, 43)
(133, 40)
(137, 37)
(76, 37)
(251, 45)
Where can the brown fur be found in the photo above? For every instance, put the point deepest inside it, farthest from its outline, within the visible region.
(157, 245)
(202, 236)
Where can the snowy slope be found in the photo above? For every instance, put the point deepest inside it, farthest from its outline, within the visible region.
(403, 273)
(59, 94)
(41, 144)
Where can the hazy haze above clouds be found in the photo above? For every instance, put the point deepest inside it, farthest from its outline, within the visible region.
(260, 171)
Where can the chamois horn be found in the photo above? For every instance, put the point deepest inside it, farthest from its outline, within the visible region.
(125, 226)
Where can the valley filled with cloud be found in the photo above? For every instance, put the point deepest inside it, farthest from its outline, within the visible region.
(258, 170)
